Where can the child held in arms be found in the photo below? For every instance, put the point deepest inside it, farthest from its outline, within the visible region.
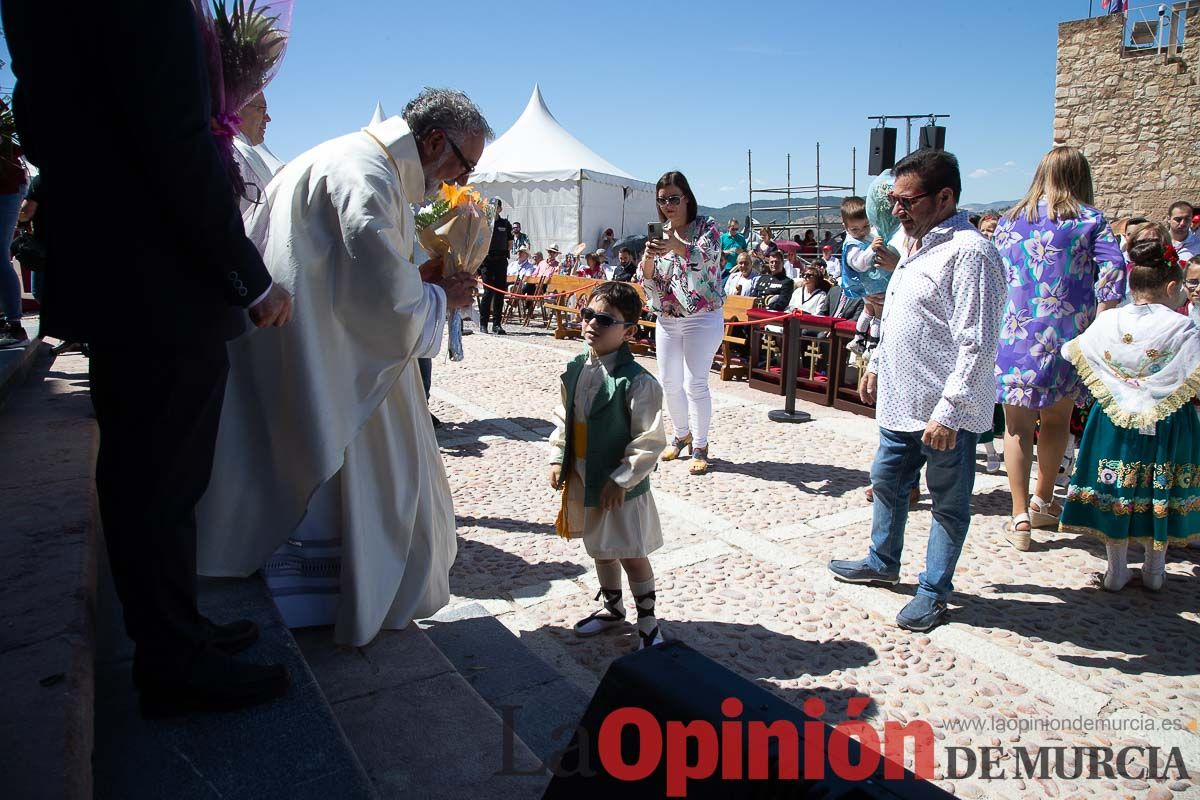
(608, 437)
(867, 265)
(1136, 478)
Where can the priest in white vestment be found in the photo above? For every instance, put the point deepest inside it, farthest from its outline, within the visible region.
(248, 151)
(328, 476)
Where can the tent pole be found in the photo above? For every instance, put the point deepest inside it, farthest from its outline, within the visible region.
(579, 210)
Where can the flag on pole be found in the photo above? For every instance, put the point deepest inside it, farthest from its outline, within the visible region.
(1113, 6)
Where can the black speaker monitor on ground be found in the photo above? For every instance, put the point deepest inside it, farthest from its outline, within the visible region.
(883, 150)
(933, 137)
(669, 722)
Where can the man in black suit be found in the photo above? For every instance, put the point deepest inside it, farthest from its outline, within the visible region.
(158, 384)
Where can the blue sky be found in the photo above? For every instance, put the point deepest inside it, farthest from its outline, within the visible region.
(693, 85)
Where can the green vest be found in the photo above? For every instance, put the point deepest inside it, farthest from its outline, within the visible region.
(607, 425)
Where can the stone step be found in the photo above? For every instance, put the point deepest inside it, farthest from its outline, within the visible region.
(416, 723)
(290, 748)
(16, 362)
(541, 705)
(47, 576)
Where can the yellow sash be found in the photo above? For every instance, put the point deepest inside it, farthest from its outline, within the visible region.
(579, 447)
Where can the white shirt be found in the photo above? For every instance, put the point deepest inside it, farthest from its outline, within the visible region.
(813, 303)
(1189, 248)
(940, 332)
(739, 285)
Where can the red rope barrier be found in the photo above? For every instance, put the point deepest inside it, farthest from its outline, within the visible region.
(507, 293)
(733, 324)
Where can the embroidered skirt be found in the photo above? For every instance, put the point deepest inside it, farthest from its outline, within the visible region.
(1131, 487)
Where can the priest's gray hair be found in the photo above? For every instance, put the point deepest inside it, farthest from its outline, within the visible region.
(447, 110)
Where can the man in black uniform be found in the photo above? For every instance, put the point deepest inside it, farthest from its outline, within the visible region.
(774, 290)
(157, 397)
(495, 272)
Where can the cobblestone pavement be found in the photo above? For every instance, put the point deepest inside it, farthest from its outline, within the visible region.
(742, 578)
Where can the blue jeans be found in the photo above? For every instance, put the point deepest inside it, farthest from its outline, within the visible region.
(10, 282)
(951, 478)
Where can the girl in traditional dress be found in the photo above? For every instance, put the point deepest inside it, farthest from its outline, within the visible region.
(1137, 477)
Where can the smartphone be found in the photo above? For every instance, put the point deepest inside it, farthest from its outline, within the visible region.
(654, 230)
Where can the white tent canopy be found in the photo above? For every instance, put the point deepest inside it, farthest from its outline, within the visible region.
(557, 187)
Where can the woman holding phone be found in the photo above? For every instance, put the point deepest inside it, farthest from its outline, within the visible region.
(681, 272)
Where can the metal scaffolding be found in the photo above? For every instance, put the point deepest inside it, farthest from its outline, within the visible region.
(818, 205)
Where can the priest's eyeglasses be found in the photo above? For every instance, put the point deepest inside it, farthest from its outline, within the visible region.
(466, 165)
(603, 320)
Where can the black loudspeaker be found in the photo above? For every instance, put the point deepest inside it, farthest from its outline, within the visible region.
(630, 745)
(883, 150)
(933, 137)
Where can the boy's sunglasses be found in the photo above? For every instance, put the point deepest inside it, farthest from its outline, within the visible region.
(603, 320)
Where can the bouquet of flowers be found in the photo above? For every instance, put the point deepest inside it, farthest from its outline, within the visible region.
(458, 227)
(879, 209)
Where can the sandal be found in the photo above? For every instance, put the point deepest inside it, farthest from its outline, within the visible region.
(1020, 539)
(699, 461)
(1043, 515)
(676, 447)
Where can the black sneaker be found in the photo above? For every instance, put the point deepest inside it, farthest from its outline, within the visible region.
(11, 338)
(499, 331)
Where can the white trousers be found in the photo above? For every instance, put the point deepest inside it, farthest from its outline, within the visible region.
(685, 348)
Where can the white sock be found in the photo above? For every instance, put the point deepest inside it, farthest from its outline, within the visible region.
(1154, 568)
(875, 327)
(1118, 566)
(608, 573)
(643, 599)
(863, 325)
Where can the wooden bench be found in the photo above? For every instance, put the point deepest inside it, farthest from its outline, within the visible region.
(845, 372)
(574, 291)
(737, 309)
(818, 349)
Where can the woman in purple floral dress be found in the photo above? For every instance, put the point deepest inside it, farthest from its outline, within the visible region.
(1064, 266)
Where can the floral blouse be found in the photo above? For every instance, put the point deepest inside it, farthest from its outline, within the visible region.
(681, 287)
(1058, 272)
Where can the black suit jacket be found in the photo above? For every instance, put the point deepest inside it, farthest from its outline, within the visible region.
(852, 308)
(112, 105)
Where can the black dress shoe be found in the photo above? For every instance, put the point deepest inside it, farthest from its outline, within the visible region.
(499, 331)
(231, 638)
(213, 682)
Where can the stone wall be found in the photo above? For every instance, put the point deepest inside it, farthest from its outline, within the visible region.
(1136, 118)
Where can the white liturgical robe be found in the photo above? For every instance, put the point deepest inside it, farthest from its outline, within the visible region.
(327, 472)
(254, 168)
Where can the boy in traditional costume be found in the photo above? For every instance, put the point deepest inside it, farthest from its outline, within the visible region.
(607, 441)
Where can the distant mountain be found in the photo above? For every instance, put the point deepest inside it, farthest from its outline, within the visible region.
(738, 211)
(829, 212)
(998, 205)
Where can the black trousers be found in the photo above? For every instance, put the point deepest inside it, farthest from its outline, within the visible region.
(491, 305)
(158, 407)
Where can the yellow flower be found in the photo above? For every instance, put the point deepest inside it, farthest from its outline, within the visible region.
(456, 196)
(1152, 353)
(1127, 338)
